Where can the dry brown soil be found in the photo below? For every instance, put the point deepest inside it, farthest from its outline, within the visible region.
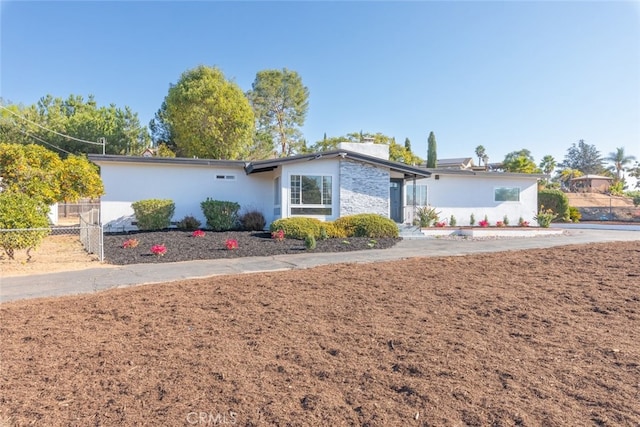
(580, 200)
(56, 253)
(547, 337)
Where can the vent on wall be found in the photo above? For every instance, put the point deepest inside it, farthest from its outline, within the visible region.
(437, 177)
(225, 177)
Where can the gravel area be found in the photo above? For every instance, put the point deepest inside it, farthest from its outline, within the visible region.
(183, 246)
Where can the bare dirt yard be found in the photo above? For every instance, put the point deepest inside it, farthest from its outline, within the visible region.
(546, 337)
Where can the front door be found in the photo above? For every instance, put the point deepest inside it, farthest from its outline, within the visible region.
(395, 199)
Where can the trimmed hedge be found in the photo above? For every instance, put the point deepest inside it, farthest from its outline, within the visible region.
(153, 214)
(297, 227)
(367, 225)
(221, 215)
(555, 200)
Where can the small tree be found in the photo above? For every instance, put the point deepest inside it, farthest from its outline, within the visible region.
(27, 218)
(432, 155)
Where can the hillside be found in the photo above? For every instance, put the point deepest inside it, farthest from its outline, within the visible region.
(580, 200)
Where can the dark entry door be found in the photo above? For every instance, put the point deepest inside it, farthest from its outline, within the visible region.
(395, 199)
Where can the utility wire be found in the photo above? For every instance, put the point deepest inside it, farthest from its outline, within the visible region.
(49, 130)
(43, 141)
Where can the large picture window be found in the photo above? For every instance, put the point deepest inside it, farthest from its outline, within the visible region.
(420, 195)
(507, 194)
(311, 195)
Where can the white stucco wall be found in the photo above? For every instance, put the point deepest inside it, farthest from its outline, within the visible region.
(462, 196)
(312, 167)
(186, 185)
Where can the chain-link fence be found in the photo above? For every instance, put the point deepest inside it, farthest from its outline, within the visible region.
(85, 224)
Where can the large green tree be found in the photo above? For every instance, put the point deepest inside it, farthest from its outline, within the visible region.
(620, 161)
(520, 161)
(583, 157)
(40, 174)
(74, 125)
(207, 116)
(432, 151)
(280, 102)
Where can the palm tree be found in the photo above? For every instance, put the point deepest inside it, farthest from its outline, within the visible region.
(619, 160)
(548, 164)
(480, 152)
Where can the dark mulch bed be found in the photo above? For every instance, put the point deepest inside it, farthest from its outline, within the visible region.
(182, 246)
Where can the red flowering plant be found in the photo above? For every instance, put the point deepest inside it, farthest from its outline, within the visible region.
(484, 223)
(158, 250)
(441, 224)
(231, 244)
(130, 244)
(499, 224)
(198, 233)
(278, 236)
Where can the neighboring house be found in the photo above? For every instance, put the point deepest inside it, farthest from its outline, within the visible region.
(590, 184)
(456, 163)
(355, 178)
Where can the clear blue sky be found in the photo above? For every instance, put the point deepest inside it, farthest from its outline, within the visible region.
(507, 75)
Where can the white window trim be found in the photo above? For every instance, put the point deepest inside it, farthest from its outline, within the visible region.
(331, 206)
(406, 194)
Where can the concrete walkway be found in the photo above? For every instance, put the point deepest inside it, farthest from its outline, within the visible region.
(97, 279)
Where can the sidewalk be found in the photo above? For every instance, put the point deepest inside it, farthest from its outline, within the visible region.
(97, 279)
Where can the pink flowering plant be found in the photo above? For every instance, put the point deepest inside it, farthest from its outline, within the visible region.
(278, 236)
(130, 244)
(198, 233)
(231, 244)
(484, 223)
(158, 250)
(499, 223)
(441, 224)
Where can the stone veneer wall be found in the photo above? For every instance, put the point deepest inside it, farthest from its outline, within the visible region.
(363, 189)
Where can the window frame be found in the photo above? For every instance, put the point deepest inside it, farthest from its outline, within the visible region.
(323, 209)
(495, 194)
(408, 193)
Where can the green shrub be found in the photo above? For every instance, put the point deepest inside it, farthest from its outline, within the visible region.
(545, 217)
(323, 233)
(635, 196)
(574, 214)
(298, 227)
(19, 212)
(220, 215)
(252, 221)
(367, 225)
(189, 223)
(153, 214)
(505, 220)
(426, 216)
(452, 221)
(555, 200)
(472, 220)
(310, 242)
(617, 188)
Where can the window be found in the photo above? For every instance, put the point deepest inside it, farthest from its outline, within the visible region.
(225, 177)
(507, 194)
(276, 191)
(421, 195)
(311, 195)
